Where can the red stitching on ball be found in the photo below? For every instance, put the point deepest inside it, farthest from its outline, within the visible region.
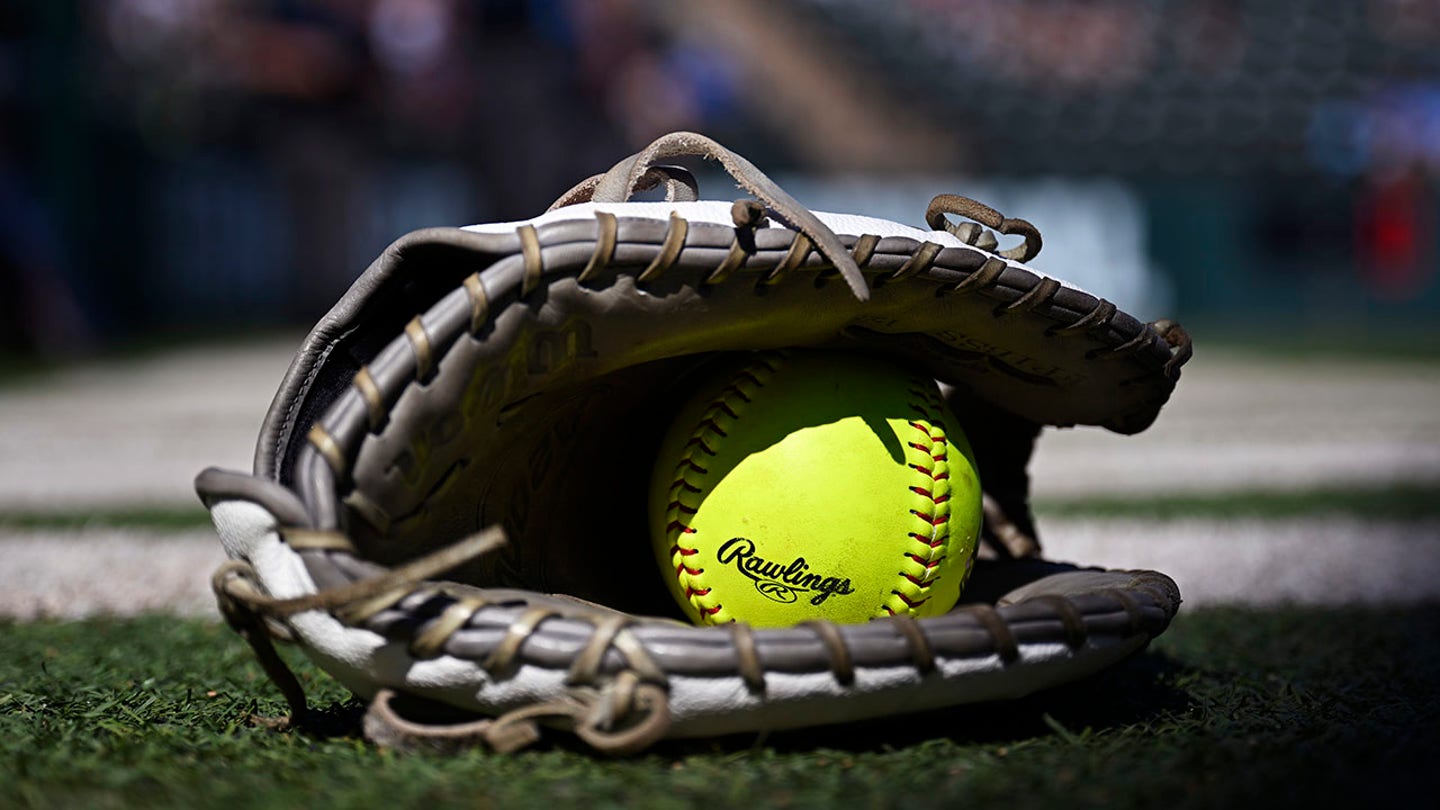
(707, 427)
(938, 451)
(931, 519)
(928, 563)
(908, 603)
(920, 538)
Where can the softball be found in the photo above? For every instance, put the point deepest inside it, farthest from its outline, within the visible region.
(811, 485)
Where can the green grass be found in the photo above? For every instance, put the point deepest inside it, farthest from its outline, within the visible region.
(1297, 708)
(157, 518)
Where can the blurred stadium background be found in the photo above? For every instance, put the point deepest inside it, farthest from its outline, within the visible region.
(181, 166)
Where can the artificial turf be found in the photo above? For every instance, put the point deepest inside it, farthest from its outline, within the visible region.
(1295, 707)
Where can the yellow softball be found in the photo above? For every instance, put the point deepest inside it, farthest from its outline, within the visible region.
(808, 485)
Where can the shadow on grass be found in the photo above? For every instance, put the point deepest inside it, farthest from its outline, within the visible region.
(1266, 690)
(336, 719)
(1134, 691)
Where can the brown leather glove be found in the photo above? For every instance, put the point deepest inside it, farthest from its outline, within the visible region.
(513, 380)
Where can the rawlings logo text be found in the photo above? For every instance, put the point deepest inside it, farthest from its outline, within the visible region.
(777, 581)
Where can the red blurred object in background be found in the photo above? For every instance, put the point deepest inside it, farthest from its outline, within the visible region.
(1396, 234)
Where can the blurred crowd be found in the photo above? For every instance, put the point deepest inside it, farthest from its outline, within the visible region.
(241, 160)
(214, 164)
(1317, 121)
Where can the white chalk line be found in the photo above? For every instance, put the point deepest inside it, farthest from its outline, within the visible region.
(78, 573)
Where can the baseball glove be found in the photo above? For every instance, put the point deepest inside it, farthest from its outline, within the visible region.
(484, 405)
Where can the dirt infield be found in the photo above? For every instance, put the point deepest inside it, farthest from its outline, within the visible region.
(1238, 422)
(135, 432)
